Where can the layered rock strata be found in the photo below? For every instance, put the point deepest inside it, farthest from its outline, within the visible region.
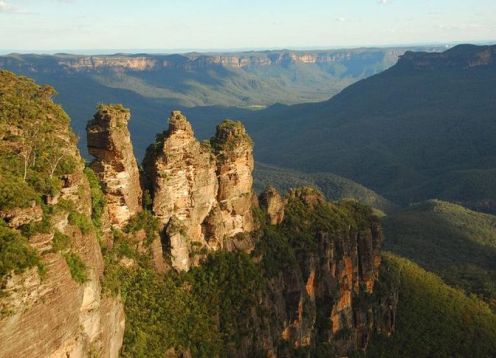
(109, 142)
(325, 296)
(201, 191)
(182, 172)
(47, 312)
(53, 315)
(233, 150)
(318, 271)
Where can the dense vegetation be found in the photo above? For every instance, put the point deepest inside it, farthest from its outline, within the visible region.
(205, 310)
(178, 310)
(433, 319)
(15, 253)
(214, 307)
(32, 159)
(31, 156)
(35, 155)
(456, 243)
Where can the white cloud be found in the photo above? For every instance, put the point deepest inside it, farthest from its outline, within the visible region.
(6, 7)
(340, 19)
(384, 2)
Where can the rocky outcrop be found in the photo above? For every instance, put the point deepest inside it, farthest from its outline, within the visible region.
(16, 217)
(233, 150)
(334, 278)
(323, 299)
(183, 181)
(115, 165)
(273, 204)
(44, 310)
(313, 278)
(56, 316)
(202, 192)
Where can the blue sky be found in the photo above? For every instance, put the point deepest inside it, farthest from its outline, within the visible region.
(233, 24)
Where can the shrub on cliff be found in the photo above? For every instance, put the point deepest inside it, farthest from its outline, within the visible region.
(77, 267)
(15, 193)
(97, 197)
(15, 253)
(31, 151)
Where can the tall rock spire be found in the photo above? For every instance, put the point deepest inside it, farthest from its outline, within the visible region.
(233, 150)
(115, 165)
(202, 192)
(183, 181)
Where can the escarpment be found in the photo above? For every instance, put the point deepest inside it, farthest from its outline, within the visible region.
(278, 275)
(109, 142)
(322, 293)
(318, 261)
(51, 299)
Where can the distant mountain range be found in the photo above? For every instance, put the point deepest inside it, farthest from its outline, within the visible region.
(205, 86)
(425, 128)
(247, 79)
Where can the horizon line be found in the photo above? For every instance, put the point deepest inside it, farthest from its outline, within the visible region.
(96, 51)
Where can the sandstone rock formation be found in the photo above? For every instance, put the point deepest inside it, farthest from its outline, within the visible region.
(233, 149)
(328, 283)
(44, 310)
(115, 165)
(201, 195)
(318, 266)
(55, 316)
(345, 267)
(184, 187)
(272, 202)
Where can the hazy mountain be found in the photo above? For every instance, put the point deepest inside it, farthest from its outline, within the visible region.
(424, 128)
(153, 85)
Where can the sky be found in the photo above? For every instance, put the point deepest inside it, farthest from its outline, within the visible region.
(53, 25)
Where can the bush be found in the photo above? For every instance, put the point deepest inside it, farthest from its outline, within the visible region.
(81, 221)
(44, 226)
(97, 197)
(15, 253)
(60, 241)
(14, 193)
(144, 220)
(77, 267)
